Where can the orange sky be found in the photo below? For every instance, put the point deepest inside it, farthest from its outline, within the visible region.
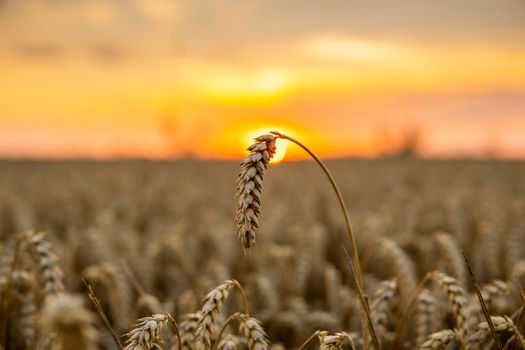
(158, 78)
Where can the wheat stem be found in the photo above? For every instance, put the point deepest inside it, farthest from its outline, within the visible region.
(483, 305)
(176, 328)
(339, 195)
(349, 229)
(411, 304)
(102, 315)
(364, 305)
(309, 340)
(229, 320)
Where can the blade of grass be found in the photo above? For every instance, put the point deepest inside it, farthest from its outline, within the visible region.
(102, 315)
(406, 313)
(308, 341)
(176, 328)
(521, 314)
(483, 304)
(364, 303)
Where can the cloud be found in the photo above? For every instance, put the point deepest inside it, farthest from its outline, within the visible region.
(39, 51)
(159, 10)
(357, 50)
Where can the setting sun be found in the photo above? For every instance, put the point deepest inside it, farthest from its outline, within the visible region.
(280, 152)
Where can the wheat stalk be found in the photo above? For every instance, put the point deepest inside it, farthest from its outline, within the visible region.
(117, 291)
(483, 304)
(366, 325)
(489, 292)
(249, 188)
(339, 195)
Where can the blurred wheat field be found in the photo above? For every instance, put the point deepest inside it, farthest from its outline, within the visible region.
(153, 238)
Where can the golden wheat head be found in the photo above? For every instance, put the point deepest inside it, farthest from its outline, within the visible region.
(249, 188)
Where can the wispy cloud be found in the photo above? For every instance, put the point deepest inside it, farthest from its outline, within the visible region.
(356, 50)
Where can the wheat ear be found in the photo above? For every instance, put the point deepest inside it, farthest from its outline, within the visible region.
(249, 188)
(383, 306)
(73, 324)
(425, 316)
(23, 284)
(117, 290)
(6, 262)
(335, 341)
(439, 340)
(145, 334)
(456, 298)
(489, 292)
(256, 337)
(211, 310)
(227, 344)
(255, 334)
(502, 324)
(401, 265)
(50, 274)
(451, 252)
(188, 327)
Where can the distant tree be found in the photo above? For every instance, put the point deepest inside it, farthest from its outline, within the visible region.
(176, 134)
(410, 143)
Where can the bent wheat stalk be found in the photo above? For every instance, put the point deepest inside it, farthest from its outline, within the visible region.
(483, 304)
(249, 188)
(342, 204)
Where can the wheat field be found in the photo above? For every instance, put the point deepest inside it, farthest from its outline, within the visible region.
(156, 244)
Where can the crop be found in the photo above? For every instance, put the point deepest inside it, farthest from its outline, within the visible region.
(157, 248)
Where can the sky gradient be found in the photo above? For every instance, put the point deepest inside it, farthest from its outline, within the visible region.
(162, 78)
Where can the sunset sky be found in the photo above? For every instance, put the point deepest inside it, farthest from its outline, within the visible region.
(162, 78)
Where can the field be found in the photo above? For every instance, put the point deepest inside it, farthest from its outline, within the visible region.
(155, 237)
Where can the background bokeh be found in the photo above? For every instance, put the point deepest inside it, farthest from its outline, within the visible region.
(164, 78)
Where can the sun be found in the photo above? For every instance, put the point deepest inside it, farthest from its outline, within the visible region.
(280, 151)
(280, 144)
